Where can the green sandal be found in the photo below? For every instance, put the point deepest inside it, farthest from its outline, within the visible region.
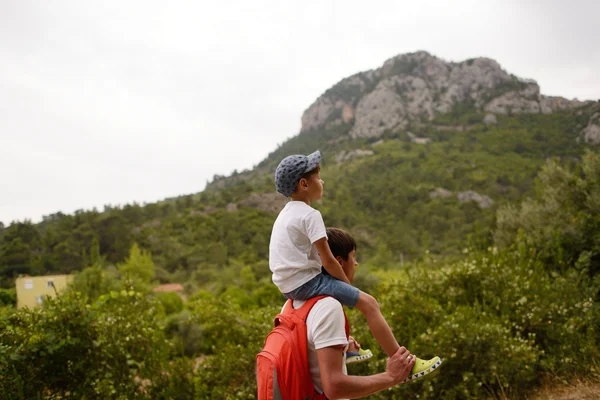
(358, 356)
(423, 368)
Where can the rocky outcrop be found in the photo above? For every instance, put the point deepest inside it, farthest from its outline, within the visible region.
(349, 155)
(418, 140)
(440, 193)
(591, 133)
(414, 88)
(490, 119)
(337, 105)
(268, 202)
(378, 111)
(231, 207)
(549, 104)
(525, 100)
(481, 200)
(450, 128)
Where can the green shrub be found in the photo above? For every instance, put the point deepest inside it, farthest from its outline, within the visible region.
(109, 349)
(235, 336)
(563, 221)
(171, 302)
(175, 382)
(267, 294)
(499, 319)
(8, 297)
(187, 335)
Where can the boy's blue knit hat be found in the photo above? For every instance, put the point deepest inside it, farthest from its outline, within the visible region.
(290, 171)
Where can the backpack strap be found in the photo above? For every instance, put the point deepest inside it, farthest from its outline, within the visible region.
(347, 327)
(303, 311)
(292, 315)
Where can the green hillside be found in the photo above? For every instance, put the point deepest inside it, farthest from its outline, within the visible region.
(478, 232)
(526, 305)
(384, 197)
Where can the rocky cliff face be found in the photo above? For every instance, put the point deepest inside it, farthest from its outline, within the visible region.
(591, 133)
(415, 87)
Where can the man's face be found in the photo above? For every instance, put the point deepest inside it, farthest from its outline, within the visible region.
(349, 266)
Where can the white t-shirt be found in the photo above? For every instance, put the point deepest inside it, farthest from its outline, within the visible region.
(325, 327)
(293, 257)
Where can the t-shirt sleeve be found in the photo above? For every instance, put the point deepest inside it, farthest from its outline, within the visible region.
(315, 227)
(327, 326)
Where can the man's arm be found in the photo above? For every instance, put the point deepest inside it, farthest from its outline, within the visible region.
(337, 385)
(331, 265)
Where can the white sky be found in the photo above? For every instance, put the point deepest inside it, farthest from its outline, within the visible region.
(118, 101)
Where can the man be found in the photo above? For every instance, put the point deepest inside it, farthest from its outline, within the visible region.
(327, 341)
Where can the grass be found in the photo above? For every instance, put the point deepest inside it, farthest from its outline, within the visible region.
(578, 390)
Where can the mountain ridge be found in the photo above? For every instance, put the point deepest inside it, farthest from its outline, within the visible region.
(412, 90)
(415, 87)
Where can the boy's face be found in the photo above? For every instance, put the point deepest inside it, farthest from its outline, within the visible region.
(314, 186)
(349, 266)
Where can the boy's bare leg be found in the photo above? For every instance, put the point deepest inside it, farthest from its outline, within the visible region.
(380, 329)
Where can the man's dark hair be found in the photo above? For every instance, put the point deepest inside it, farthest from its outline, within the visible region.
(340, 242)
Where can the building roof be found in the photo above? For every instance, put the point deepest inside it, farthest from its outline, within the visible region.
(169, 287)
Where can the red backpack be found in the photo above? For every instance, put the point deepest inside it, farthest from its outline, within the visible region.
(282, 369)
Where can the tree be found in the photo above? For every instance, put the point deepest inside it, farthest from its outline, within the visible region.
(21, 249)
(95, 257)
(114, 235)
(16, 258)
(138, 267)
(95, 281)
(26, 231)
(247, 279)
(563, 220)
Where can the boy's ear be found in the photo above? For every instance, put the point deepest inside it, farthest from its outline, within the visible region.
(339, 259)
(303, 183)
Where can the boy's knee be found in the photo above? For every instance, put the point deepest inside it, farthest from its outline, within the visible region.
(370, 303)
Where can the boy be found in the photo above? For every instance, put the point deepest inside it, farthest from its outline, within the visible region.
(299, 248)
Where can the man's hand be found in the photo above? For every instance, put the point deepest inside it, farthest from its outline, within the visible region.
(338, 385)
(400, 364)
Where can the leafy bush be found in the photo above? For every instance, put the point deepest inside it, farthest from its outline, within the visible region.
(175, 382)
(112, 348)
(8, 297)
(187, 335)
(499, 319)
(171, 302)
(563, 220)
(235, 337)
(95, 281)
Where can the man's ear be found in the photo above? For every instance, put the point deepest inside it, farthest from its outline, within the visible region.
(339, 259)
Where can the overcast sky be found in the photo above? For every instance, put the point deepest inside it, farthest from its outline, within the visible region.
(110, 102)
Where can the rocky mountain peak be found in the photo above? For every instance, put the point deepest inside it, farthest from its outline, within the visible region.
(415, 87)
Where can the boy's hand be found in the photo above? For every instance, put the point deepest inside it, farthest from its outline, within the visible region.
(353, 345)
(400, 364)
